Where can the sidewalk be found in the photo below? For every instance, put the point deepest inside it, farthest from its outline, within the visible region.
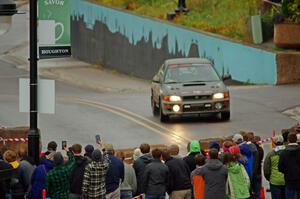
(78, 73)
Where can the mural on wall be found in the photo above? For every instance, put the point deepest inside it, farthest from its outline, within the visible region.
(244, 63)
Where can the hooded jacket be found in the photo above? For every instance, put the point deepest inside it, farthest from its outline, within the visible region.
(271, 167)
(139, 168)
(155, 179)
(248, 155)
(238, 182)
(215, 177)
(190, 158)
(76, 177)
(39, 178)
(289, 165)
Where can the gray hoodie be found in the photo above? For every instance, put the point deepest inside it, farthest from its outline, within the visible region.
(215, 177)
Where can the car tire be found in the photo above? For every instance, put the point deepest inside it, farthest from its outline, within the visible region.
(225, 116)
(163, 118)
(155, 109)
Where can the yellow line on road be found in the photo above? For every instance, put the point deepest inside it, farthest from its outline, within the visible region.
(132, 117)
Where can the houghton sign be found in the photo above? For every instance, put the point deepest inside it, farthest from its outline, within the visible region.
(54, 28)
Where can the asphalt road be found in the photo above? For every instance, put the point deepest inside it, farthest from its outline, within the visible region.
(125, 119)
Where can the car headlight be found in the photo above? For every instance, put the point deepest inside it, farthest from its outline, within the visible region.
(175, 98)
(218, 96)
(172, 98)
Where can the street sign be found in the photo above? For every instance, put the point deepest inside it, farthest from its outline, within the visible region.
(54, 28)
(46, 96)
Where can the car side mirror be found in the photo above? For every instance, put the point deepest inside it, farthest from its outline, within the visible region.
(156, 79)
(226, 77)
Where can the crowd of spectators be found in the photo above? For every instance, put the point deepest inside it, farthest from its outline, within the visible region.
(232, 169)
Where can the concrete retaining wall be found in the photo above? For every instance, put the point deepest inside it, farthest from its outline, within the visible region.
(138, 45)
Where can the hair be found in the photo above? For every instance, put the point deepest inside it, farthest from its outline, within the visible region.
(22, 152)
(166, 154)
(76, 148)
(188, 147)
(145, 148)
(199, 159)
(156, 153)
(120, 155)
(292, 138)
(10, 156)
(228, 158)
(250, 136)
(173, 149)
(213, 153)
(257, 138)
(52, 146)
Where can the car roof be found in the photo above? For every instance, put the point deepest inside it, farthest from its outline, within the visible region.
(187, 61)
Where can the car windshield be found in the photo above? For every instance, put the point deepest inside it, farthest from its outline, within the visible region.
(190, 73)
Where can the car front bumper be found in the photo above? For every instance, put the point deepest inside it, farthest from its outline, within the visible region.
(196, 107)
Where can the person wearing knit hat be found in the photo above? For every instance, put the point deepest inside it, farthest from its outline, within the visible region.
(270, 168)
(93, 185)
(195, 149)
(88, 151)
(136, 154)
(58, 185)
(238, 138)
(96, 155)
(214, 145)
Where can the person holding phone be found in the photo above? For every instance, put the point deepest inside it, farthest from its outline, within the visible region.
(58, 185)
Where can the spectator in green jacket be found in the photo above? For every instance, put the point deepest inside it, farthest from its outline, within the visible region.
(238, 180)
(58, 185)
(275, 178)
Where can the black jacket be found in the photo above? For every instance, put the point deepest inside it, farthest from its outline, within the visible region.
(289, 165)
(155, 180)
(190, 160)
(76, 177)
(139, 168)
(4, 184)
(260, 158)
(179, 175)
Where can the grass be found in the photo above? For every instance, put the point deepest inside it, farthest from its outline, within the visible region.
(225, 17)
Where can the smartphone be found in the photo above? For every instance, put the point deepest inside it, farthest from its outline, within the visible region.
(98, 139)
(63, 145)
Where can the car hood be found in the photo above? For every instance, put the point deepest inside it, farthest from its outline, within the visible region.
(195, 88)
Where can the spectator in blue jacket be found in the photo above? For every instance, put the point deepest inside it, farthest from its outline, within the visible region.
(115, 174)
(39, 177)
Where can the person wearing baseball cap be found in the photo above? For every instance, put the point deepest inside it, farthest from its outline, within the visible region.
(271, 172)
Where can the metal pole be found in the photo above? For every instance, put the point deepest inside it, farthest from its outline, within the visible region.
(33, 133)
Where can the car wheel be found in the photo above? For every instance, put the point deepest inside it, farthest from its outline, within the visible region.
(162, 116)
(225, 116)
(155, 109)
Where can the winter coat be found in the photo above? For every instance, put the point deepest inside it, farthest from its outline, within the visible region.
(39, 178)
(260, 152)
(155, 180)
(238, 183)
(190, 160)
(139, 168)
(198, 184)
(215, 177)
(129, 183)
(271, 171)
(289, 165)
(4, 185)
(248, 155)
(94, 178)
(115, 174)
(26, 170)
(76, 178)
(58, 182)
(179, 175)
